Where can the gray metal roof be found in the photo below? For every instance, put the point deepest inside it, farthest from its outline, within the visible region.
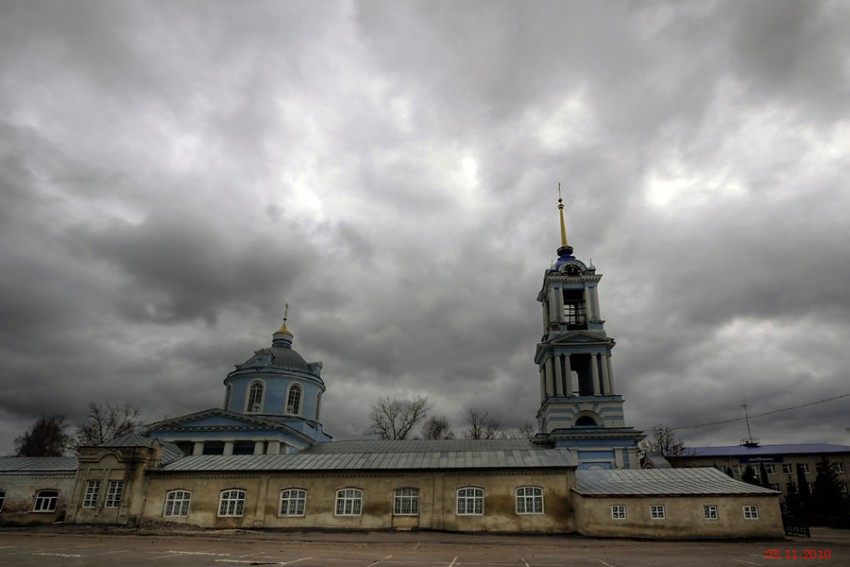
(764, 450)
(660, 482)
(389, 455)
(38, 464)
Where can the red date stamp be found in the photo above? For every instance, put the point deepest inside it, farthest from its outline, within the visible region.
(800, 554)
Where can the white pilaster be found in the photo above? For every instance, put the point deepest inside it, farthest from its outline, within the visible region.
(610, 375)
(596, 310)
(594, 372)
(550, 378)
(228, 448)
(569, 377)
(606, 387)
(559, 378)
(198, 448)
(259, 446)
(274, 448)
(554, 317)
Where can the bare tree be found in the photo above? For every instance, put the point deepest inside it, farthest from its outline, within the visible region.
(662, 440)
(106, 422)
(393, 419)
(46, 438)
(481, 426)
(437, 427)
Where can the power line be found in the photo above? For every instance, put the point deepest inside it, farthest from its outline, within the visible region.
(763, 414)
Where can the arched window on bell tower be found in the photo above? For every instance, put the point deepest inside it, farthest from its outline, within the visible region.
(293, 400)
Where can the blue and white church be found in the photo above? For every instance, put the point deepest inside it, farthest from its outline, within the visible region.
(263, 460)
(272, 406)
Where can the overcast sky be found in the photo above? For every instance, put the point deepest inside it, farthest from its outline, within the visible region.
(172, 173)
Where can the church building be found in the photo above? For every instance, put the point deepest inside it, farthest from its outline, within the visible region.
(263, 460)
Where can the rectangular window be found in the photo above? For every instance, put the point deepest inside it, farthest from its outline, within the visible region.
(45, 501)
(2, 499)
(838, 467)
(113, 493)
(805, 467)
(656, 511)
(293, 502)
(737, 470)
(92, 490)
(529, 500)
(786, 469)
(618, 512)
(232, 503)
(177, 503)
(769, 469)
(349, 502)
(751, 512)
(470, 501)
(406, 502)
(709, 512)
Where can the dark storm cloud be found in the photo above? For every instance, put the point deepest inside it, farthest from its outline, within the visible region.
(173, 174)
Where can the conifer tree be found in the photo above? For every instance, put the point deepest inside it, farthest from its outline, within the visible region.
(804, 492)
(828, 503)
(750, 476)
(765, 482)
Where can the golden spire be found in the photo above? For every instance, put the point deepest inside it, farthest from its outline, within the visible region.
(283, 328)
(561, 212)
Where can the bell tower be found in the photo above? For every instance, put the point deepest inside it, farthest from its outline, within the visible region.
(579, 406)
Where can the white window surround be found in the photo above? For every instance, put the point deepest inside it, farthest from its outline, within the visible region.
(293, 502)
(231, 504)
(406, 501)
(255, 399)
(529, 500)
(349, 502)
(45, 501)
(751, 512)
(294, 399)
(618, 512)
(177, 503)
(470, 501)
(92, 492)
(709, 512)
(657, 512)
(787, 469)
(113, 493)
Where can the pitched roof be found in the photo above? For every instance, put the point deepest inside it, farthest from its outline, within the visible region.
(389, 455)
(242, 422)
(38, 464)
(661, 482)
(744, 450)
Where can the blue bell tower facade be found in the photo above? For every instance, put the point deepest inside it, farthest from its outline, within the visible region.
(579, 407)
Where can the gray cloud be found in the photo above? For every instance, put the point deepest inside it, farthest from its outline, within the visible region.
(172, 175)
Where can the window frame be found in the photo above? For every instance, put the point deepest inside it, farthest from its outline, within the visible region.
(751, 511)
(231, 503)
(250, 404)
(351, 499)
(299, 402)
(657, 512)
(2, 498)
(787, 468)
(179, 499)
(534, 500)
(295, 498)
(409, 495)
(805, 467)
(114, 492)
(838, 467)
(710, 512)
(92, 493)
(469, 497)
(618, 512)
(770, 469)
(45, 501)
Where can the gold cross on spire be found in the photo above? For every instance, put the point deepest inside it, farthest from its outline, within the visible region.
(283, 328)
(561, 212)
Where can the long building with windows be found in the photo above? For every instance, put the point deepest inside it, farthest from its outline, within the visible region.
(263, 460)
